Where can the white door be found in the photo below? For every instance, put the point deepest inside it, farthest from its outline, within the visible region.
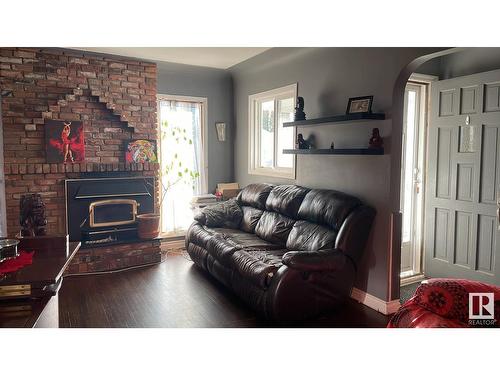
(462, 224)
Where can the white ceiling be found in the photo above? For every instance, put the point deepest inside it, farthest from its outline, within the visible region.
(213, 57)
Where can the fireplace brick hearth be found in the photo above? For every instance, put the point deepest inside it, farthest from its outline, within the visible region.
(114, 97)
(115, 257)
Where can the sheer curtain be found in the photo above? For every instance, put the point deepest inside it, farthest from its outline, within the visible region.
(182, 152)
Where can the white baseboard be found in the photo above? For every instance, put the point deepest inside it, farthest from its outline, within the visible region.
(375, 303)
(412, 279)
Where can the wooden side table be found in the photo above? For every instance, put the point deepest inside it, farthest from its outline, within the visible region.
(29, 296)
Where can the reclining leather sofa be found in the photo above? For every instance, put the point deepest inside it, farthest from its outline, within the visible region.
(289, 252)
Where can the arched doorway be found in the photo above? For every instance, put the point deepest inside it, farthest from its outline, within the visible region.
(394, 259)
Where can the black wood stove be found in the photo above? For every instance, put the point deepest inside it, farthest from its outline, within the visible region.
(102, 211)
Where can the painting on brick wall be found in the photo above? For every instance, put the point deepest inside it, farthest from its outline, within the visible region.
(141, 151)
(64, 141)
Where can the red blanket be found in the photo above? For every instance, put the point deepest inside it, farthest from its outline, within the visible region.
(442, 303)
(11, 265)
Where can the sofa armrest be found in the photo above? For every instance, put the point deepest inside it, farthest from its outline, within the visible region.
(320, 260)
(224, 214)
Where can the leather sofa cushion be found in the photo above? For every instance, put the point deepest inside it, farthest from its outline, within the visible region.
(310, 237)
(242, 239)
(250, 240)
(254, 195)
(258, 266)
(327, 207)
(274, 227)
(286, 199)
(250, 218)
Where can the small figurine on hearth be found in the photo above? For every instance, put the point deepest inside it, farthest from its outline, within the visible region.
(32, 215)
(376, 140)
(301, 143)
(332, 146)
(299, 109)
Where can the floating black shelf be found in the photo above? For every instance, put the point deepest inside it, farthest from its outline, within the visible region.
(337, 119)
(336, 151)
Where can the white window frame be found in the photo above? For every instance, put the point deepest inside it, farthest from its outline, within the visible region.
(254, 101)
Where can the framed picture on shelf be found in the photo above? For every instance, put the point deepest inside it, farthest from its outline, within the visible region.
(360, 104)
(141, 151)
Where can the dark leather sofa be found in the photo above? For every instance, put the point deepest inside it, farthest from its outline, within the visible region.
(289, 252)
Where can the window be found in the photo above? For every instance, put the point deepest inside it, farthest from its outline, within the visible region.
(267, 136)
(182, 158)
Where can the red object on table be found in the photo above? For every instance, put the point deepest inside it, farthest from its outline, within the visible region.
(10, 265)
(442, 303)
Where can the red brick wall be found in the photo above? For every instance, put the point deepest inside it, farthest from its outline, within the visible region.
(114, 98)
(115, 257)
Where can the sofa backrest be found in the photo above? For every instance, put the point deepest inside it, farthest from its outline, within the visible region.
(302, 218)
(282, 206)
(320, 217)
(255, 195)
(286, 199)
(327, 207)
(252, 200)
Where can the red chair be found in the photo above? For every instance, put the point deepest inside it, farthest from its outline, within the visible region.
(444, 303)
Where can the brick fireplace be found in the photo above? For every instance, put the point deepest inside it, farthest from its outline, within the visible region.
(115, 99)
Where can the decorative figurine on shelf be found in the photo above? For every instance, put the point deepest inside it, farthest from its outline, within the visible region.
(332, 146)
(32, 216)
(299, 109)
(305, 144)
(376, 140)
(301, 143)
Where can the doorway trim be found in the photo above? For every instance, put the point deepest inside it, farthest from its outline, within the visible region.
(394, 251)
(424, 84)
(423, 78)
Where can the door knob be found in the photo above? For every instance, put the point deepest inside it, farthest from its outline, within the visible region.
(498, 217)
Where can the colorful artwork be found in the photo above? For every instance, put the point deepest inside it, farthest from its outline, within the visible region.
(141, 151)
(64, 141)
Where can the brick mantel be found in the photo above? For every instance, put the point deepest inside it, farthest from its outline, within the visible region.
(115, 99)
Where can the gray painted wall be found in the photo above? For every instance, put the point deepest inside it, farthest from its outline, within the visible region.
(216, 85)
(326, 78)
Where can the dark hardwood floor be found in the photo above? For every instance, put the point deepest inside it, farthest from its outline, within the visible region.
(175, 294)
